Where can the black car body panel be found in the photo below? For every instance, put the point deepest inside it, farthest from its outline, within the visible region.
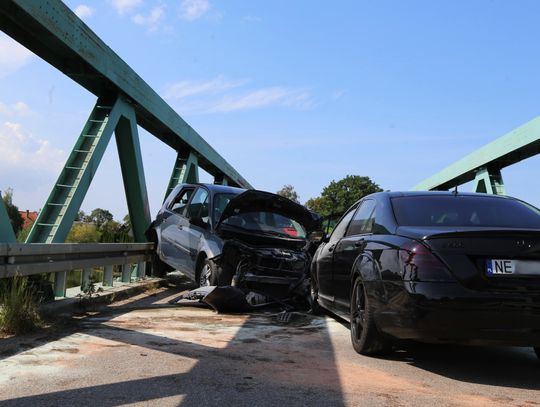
(433, 283)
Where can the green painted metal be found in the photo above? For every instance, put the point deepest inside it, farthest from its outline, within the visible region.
(53, 32)
(55, 219)
(517, 145)
(6, 230)
(489, 182)
(221, 180)
(129, 151)
(185, 170)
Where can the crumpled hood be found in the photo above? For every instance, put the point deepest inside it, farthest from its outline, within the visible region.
(261, 201)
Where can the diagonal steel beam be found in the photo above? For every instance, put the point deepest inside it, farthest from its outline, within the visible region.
(6, 230)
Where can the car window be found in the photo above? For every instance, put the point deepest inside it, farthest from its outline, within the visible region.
(465, 210)
(220, 202)
(198, 207)
(178, 204)
(341, 227)
(362, 221)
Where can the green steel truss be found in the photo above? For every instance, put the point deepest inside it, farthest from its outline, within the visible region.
(6, 230)
(55, 219)
(53, 32)
(484, 165)
(185, 170)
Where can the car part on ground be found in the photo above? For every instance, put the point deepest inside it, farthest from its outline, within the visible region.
(433, 267)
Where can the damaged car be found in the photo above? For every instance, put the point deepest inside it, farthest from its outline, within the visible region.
(224, 236)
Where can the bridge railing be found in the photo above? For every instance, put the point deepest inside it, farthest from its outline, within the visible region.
(17, 259)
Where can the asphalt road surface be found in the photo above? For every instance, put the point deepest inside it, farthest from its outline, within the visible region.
(145, 352)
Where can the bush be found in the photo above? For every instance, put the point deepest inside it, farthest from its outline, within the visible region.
(18, 306)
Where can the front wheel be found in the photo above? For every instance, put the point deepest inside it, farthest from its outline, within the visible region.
(207, 274)
(314, 296)
(365, 337)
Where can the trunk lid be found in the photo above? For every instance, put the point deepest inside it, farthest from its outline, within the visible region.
(467, 252)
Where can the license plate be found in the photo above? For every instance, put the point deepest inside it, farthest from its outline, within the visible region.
(500, 267)
(505, 267)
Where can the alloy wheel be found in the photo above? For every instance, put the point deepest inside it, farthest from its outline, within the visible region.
(204, 278)
(358, 308)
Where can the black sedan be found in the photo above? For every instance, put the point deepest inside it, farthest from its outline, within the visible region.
(433, 267)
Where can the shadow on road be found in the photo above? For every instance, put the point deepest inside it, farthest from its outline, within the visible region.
(244, 373)
(496, 366)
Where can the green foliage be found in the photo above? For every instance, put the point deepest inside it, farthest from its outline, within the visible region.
(13, 211)
(101, 216)
(288, 192)
(84, 233)
(24, 232)
(338, 196)
(18, 306)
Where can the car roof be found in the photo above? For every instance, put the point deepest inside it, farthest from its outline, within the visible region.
(399, 194)
(216, 188)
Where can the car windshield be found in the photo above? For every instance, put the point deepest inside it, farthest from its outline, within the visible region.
(463, 211)
(266, 222)
(220, 202)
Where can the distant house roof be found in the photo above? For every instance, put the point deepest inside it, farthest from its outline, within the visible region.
(29, 217)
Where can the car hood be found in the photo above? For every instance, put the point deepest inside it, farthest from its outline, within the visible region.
(261, 201)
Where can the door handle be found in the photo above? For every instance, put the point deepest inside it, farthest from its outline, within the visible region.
(360, 243)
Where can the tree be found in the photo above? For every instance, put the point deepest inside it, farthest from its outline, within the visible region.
(15, 217)
(100, 216)
(288, 192)
(338, 196)
(83, 233)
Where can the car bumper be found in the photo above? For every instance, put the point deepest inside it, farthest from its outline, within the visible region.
(448, 312)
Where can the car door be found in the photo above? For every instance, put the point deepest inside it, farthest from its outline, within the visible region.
(197, 215)
(326, 255)
(172, 230)
(348, 249)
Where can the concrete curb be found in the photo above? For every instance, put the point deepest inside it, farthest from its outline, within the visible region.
(68, 306)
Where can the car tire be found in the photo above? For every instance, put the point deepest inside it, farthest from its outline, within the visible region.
(537, 351)
(206, 275)
(365, 337)
(314, 297)
(159, 268)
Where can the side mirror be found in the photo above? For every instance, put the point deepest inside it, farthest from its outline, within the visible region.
(199, 222)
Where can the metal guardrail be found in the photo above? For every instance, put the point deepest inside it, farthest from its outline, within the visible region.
(17, 259)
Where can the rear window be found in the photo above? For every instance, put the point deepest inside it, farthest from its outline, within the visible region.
(465, 211)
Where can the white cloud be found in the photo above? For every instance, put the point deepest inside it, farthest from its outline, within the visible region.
(265, 97)
(13, 56)
(152, 20)
(193, 9)
(16, 109)
(183, 89)
(20, 150)
(124, 6)
(83, 11)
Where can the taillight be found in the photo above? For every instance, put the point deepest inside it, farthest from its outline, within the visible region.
(418, 263)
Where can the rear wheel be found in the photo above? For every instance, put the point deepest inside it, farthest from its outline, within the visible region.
(159, 268)
(365, 337)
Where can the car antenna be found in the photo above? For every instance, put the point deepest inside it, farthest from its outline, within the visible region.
(455, 191)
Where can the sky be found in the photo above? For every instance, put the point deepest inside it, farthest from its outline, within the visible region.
(298, 93)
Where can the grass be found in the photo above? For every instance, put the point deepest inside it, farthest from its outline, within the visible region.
(18, 306)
